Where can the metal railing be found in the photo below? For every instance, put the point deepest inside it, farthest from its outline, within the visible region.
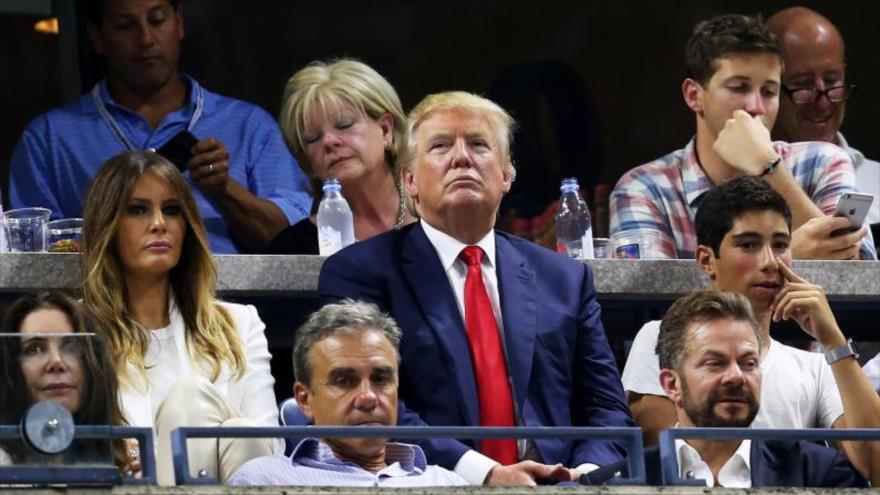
(84, 474)
(631, 437)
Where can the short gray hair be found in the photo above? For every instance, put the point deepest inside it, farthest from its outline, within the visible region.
(347, 317)
(699, 307)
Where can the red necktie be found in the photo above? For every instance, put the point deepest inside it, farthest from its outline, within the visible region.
(493, 389)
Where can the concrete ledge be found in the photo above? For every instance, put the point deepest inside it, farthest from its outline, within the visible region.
(298, 276)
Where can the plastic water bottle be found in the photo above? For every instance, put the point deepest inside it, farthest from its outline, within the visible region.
(574, 232)
(335, 222)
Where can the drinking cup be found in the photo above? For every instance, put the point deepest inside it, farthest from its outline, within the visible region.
(26, 229)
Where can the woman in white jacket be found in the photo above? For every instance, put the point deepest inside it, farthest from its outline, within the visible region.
(183, 357)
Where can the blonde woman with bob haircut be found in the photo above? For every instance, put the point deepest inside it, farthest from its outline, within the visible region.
(183, 357)
(343, 120)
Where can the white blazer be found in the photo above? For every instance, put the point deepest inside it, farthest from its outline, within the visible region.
(168, 358)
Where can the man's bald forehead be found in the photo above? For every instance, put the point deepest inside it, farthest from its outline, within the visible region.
(801, 22)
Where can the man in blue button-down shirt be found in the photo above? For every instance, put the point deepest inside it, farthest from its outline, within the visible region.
(247, 184)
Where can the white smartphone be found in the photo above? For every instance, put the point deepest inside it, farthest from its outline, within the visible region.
(854, 206)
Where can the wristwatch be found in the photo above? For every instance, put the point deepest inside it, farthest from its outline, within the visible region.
(844, 351)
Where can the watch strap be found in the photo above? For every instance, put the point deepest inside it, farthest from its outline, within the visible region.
(844, 351)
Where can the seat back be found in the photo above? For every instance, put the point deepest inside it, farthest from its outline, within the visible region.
(289, 414)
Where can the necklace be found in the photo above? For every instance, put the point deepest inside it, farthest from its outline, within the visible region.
(401, 213)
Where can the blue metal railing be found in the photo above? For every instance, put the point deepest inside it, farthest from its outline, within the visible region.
(82, 474)
(669, 462)
(631, 437)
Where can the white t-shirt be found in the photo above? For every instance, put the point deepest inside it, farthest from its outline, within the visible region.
(797, 387)
(872, 371)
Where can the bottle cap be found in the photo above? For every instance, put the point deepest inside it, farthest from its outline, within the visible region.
(332, 185)
(569, 184)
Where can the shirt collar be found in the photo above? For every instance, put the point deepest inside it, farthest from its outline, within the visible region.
(855, 155)
(398, 456)
(185, 112)
(694, 180)
(448, 248)
(688, 457)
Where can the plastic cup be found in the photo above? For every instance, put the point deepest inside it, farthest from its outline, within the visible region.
(65, 235)
(634, 245)
(26, 229)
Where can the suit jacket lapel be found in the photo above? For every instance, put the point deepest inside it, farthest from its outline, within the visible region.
(428, 281)
(517, 289)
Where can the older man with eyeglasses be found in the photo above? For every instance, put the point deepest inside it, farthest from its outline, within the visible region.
(816, 90)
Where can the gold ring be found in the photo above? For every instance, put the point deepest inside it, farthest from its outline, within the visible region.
(210, 168)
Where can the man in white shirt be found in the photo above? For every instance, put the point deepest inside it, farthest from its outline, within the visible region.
(816, 90)
(497, 331)
(743, 230)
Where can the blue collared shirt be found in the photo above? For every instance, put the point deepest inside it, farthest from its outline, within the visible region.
(313, 463)
(62, 150)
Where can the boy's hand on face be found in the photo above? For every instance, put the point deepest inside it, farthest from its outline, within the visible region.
(807, 304)
(745, 143)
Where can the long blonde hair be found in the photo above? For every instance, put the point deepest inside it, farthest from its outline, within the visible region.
(210, 332)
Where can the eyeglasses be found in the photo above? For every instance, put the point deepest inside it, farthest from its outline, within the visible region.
(805, 96)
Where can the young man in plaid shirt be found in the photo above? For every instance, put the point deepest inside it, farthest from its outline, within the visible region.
(733, 87)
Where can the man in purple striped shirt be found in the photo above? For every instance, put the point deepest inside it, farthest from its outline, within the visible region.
(733, 86)
(346, 361)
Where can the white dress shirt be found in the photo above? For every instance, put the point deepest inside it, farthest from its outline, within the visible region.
(472, 466)
(736, 472)
(448, 249)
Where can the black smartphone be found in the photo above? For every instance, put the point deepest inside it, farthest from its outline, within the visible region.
(178, 150)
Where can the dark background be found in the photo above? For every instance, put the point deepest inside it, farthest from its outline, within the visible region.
(626, 55)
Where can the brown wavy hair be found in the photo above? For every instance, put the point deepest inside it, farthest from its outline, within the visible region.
(210, 332)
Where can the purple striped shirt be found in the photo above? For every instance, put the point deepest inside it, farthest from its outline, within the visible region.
(314, 464)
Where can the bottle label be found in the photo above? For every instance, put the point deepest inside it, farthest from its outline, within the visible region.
(587, 245)
(329, 240)
(627, 251)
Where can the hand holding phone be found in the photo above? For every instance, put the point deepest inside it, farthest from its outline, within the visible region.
(853, 206)
(178, 150)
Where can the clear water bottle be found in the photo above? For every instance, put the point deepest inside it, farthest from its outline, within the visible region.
(335, 222)
(574, 232)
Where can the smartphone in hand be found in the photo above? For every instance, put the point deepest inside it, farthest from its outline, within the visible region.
(178, 150)
(853, 206)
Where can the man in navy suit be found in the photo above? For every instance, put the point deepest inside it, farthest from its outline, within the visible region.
(497, 331)
(710, 352)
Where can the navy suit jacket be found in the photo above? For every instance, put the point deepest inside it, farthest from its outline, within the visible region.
(773, 463)
(561, 367)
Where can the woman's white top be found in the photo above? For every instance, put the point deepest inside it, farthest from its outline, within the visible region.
(168, 359)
